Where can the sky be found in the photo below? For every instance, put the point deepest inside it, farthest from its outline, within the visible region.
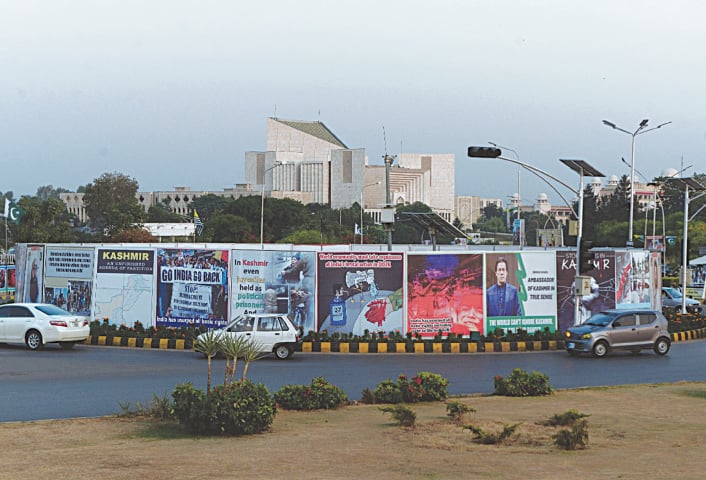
(173, 93)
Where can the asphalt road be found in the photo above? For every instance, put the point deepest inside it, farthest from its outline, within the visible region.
(91, 381)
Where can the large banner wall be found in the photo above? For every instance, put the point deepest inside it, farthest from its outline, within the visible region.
(359, 291)
(423, 293)
(125, 285)
(275, 282)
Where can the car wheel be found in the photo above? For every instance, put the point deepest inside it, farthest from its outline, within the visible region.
(67, 345)
(662, 346)
(282, 352)
(600, 349)
(33, 339)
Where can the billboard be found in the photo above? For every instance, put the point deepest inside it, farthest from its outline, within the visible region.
(520, 291)
(34, 266)
(68, 278)
(632, 279)
(359, 291)
(125, 285)
(275, 282)
(445, 294)
(602, 295)
(192, 287)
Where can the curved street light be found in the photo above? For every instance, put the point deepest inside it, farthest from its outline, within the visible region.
(642, 128)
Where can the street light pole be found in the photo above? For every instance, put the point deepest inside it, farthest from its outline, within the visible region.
(640, 130)
(262, 202)
(362, 191)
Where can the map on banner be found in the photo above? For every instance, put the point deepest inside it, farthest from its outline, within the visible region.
(124, 299)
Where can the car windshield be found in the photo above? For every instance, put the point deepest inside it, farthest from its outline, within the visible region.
(52, 310)
(241, 324)
(673, 292)
(600, 319)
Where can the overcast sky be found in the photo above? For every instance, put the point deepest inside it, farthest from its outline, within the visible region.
(175, 92)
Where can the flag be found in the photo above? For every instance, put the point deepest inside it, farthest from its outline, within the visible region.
(198, 223)
(357, 230)
(12, 211)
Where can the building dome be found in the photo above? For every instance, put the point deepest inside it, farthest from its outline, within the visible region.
(542, 197)
(670, 172)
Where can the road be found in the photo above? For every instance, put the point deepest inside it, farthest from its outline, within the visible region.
(91, 381)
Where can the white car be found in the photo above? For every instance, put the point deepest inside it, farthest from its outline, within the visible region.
(36, 324)
(274, 332)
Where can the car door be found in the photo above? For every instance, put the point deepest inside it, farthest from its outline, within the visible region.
(16, 322)
(648, 328)
(624, 331)
(269, 332)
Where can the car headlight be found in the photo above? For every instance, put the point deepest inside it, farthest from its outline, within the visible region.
(568, 334)
(586, 336)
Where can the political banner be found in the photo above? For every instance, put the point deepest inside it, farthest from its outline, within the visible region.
(68, 278)
(632, 279)
(601, 296)
(192, 287)
(125, 286)
(275, 281)
(445, 294)
(359, 292)
(520, 291)
(33, 273)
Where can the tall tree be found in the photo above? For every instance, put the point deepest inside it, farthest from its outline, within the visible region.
(111, 204)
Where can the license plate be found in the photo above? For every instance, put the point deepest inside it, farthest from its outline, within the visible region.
(571, 345)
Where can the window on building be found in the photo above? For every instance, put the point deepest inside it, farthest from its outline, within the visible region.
(260, 165)
(347, 167)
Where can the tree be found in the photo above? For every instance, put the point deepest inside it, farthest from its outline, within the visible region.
(161, 214)
(44, 221)
(133, 235)
(48, 191)
(111, 204)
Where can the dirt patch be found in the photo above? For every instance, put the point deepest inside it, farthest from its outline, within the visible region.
(634, 433)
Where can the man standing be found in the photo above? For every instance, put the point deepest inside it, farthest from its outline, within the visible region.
(501, 298)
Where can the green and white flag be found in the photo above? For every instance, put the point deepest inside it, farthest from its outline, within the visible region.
(12, 211)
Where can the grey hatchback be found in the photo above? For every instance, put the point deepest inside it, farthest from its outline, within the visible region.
(631, 330)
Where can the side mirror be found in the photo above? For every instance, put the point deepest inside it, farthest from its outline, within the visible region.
(616, 324)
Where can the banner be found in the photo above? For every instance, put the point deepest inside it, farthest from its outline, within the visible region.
(192, 287)
(34, 266)
(520, 291)
(602, 294)
(445, 294)
(125, 290)
(68, 278)
(275, 281)
(632, 279)
(359, 291)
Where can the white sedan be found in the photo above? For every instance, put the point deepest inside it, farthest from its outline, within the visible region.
(36, 324)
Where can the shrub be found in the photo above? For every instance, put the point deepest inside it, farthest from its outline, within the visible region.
(240, 408)
(456, 411)
(522, 384)
(402, 414)
(423, 387)
(319, 395)
(492, 438)
(569, 417)
(387, 391)
(368, 396)
(573, 439)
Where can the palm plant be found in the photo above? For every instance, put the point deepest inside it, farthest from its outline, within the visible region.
(251, 352)
(232, 348)
(209, 344)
